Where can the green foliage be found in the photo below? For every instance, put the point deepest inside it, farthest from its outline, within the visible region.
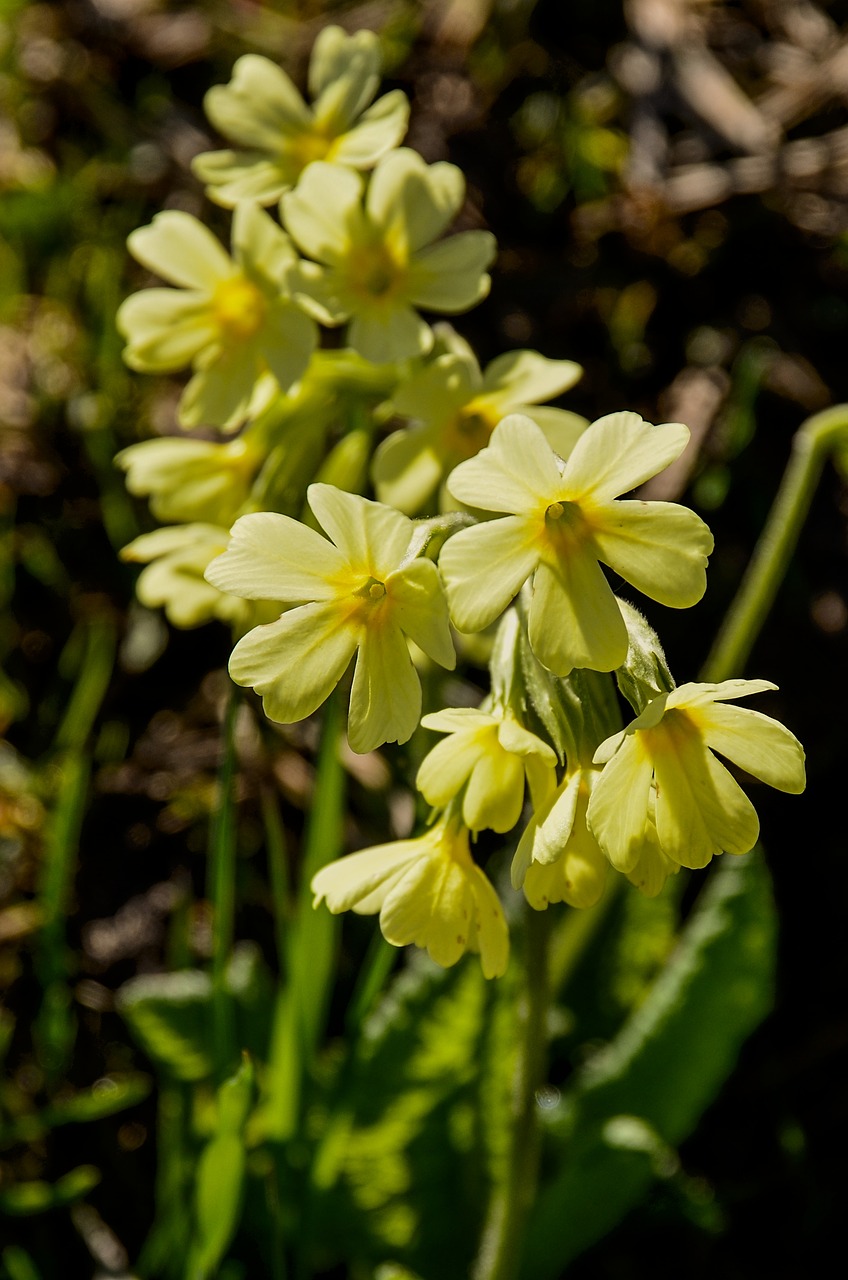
(644, 1093)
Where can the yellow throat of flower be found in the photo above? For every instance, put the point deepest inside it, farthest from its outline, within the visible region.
(239, 308)
(375, 273)
(310, 145)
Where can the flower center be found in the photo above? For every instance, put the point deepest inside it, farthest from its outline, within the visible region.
(372, 589)
(374, 273)
(308, 147)
(239, 308)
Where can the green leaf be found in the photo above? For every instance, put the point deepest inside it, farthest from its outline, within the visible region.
(27, 1198)
(412, 1143)
(108, 1096)
(645, 1092)
(220, 1175)
(169, 1014)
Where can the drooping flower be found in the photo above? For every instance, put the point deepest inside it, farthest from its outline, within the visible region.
(428, 891)
(664, 762)
(487, 757)
(378, 260)
(191, 480)
(455, 407)
(277, 135)
(563, 522)
(558, 859)
(232, 319)
(357, 594)
(176, 558)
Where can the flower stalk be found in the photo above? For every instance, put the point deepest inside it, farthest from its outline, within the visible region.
(812, 444)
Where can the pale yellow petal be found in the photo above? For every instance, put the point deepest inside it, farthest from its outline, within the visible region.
(515, 738)
(548, 831)
(352, 59)
(516, 472)
(407, 469)
(261, 247)
(756, 743)
(526, 377)
(494, 795)
(444, 770)
(433, 907)
(574, 619)
(259, 107)
(450, 277)
(619, 452)
(165, 329)
(701, 810)
(296, 662)
(385, 698)
(370, 535)
(180, 249)
(439, 390)
(412, 200)
(618, 808)
(273, 557)
(287, 340)
(220, 393)
(458, 720)
(367, 876)
(697, 695)
(232, 176)
(387, 334)
(377, 130)
(420, 609)
(483, 567)
(492, 933)
(323, 211)
(658, 547)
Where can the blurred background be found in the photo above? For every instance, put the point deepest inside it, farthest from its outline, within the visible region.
(668, 185)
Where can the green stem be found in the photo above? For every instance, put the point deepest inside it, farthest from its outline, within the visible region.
(222, 893)
(500, 1247)
(810, 447)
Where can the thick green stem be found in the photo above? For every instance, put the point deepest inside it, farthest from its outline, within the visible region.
(811, 446)
(500, 1248)
(222, 894)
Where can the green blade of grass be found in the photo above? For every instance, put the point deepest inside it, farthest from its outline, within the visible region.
(223, 841)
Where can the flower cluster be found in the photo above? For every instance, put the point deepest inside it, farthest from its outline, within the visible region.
(522, 509)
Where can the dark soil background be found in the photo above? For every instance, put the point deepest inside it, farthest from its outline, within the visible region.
(575, 125)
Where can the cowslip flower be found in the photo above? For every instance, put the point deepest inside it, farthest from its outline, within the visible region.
(487, 757)
(355, 593)
(176, 559)
(558, 859)
(191, 480)
(277, 135)
(428, 891)
(231, 318)
(378, 262)
(563, 522)
(455, 407)
(662, 766)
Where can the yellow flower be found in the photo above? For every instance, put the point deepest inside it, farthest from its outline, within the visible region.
(428, 891)
(232, 319)
(191, 480)
(277, 135)
(558, 859)
(457, 408)
(563, 523)
(357, 594)
(176, 559)
(662, 766)
(378, 260)
(486, 757)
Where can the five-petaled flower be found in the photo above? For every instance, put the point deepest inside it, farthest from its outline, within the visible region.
(454, 408)
(661, 769)
(429, 891)
(563, 522)
(357, 594)
(277, 135)
(378, 262)
(233, 320)
(486, 757)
